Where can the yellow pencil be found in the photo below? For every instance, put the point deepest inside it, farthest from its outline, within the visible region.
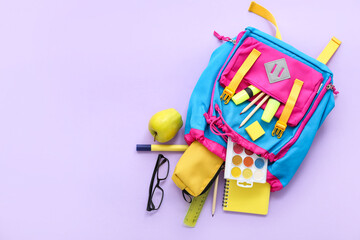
(255, 109)
(214, 196)
(253, 102)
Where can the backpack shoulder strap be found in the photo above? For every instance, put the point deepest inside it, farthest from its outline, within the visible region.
(329, 50)
(263, 12)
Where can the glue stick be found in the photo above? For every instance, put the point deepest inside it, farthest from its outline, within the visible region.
(245, 94)
(270, 110)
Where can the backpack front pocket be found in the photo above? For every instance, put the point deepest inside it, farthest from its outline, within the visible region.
(274, 73)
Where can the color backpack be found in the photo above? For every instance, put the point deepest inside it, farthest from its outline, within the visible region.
(303, 85)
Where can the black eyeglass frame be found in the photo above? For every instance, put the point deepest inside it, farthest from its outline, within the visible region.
(160, 161)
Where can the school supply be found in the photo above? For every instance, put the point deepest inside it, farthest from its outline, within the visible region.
(160, 148)
(245, 94)
(214, 195)
(271, 108)
(156, 193)
(254, 110)
(253, 200)
(195, 208)
(244, 166)
(210, 121)
(281, 124)
(229, 91)
(253, 102)
(255, 130)
(196, 170)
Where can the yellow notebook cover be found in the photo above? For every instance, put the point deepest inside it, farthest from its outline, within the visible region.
(248, 200)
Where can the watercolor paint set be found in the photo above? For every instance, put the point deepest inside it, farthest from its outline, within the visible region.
(244, 166)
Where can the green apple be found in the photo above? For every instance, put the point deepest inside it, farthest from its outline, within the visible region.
(165, 124)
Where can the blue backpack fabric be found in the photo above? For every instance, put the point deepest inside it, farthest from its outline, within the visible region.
(210, 121)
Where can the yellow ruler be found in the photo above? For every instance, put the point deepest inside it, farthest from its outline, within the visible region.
(195, 208)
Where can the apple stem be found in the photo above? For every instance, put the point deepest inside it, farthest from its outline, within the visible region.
(155, 136)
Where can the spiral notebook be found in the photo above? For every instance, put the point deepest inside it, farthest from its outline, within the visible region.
(253, 200)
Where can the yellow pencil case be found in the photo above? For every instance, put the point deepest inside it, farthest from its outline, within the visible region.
(196, 169)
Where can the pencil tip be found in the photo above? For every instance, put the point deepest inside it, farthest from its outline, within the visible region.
(213, 215)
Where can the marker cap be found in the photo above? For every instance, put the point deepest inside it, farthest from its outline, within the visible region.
(270, 110)
(143, 147)
(245, 94)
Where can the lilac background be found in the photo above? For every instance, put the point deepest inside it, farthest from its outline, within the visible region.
(79, 81)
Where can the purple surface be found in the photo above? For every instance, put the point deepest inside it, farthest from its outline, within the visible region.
(79, 81)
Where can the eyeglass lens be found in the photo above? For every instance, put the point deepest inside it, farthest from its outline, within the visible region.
(157, 197)
(163, 169)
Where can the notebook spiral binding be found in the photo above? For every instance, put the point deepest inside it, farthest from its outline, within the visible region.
(226, 192)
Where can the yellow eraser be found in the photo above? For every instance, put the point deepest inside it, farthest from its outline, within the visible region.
(255, 130)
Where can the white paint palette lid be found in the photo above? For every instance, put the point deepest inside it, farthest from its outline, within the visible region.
(244, 166)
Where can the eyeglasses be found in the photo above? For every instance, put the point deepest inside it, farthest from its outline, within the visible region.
(156, 193)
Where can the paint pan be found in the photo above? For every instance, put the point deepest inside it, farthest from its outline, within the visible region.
(244, 166)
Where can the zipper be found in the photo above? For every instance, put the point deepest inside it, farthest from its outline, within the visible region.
(271, 156)
(231, 54)
(213, 179)
(320, 93)
(317, 100)
(332, 88)
(185, 193)
(222, 38)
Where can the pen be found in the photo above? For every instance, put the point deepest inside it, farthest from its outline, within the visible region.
(160, 147)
